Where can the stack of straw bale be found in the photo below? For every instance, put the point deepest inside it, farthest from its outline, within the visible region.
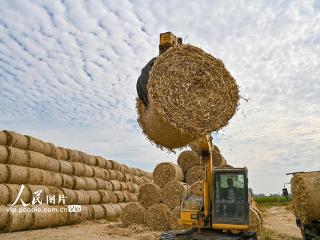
(102, 187)
(159, 202)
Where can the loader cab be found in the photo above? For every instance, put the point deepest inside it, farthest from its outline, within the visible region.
(168, 40)
(230, 207)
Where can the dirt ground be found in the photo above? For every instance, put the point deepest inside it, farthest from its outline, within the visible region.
(93, 230)
(279, 224)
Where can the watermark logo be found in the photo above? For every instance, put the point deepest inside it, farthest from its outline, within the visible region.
(74, 208)
(37, 198)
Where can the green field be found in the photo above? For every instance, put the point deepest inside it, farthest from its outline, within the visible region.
(273, 200)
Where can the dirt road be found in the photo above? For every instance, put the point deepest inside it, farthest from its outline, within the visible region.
(281, 220)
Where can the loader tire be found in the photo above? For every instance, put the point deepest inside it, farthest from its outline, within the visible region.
(167, 236)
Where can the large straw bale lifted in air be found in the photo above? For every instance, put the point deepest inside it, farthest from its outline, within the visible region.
(190, 94)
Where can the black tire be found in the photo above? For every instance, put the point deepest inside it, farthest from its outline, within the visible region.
(305, 236)
(167, 236)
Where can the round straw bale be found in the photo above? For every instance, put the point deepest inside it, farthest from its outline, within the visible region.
(118, 208)
(305, 188)
(14, 190)
(175, 217)
(3, 138)
(127, 197)
(88, 171)
(120, 196)
(91, 160)
(196, 173)
(124, 168)
(53, 151)
(52, 179)
(98, 172)
(137, 180)
(255, 223)
(59, 153)
(145, 180)
(5, 195)
(40, 190)
(3, 154)
(66, 167)
(108, 185)
(133, 213)
(19, 220)
(17, 140)
(47, 149)
(217, 158)
(71, 196)
(162, 133)
(55, 191)
(95, 197)
(255, 207)
(197, 188)
(133, 197)
(76, 217)
(101, 184)
(99, 211)
(124, 186)
(36, 145)
(135, 188)
(18, 174)
(110, 211)
(188, 159)
(106, 174)
(4, 173)
(115, 165)
(68, 181)
(62, 153)
(122, 205)
(149, 194)
(80, 183)
(91, 183)
(121, 176)
(192, 91)
(4, 217)
(17, 156)
(52, 165)
(101, 162)
(37, 160)
(82, 157)
(79, 169)
(44, 218)
(113, 174)
(105, 196)
(128, 177)
(167, 172)
(73, 155)
(158, 217)
(130, 187)
(83, 197)
(116, 186)
(108, 164)
(173, 193)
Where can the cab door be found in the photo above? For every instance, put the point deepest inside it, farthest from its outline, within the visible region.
(230, 197)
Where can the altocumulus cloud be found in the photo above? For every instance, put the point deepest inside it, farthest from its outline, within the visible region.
(68, 71)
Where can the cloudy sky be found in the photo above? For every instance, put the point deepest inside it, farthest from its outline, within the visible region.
(68, 71)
